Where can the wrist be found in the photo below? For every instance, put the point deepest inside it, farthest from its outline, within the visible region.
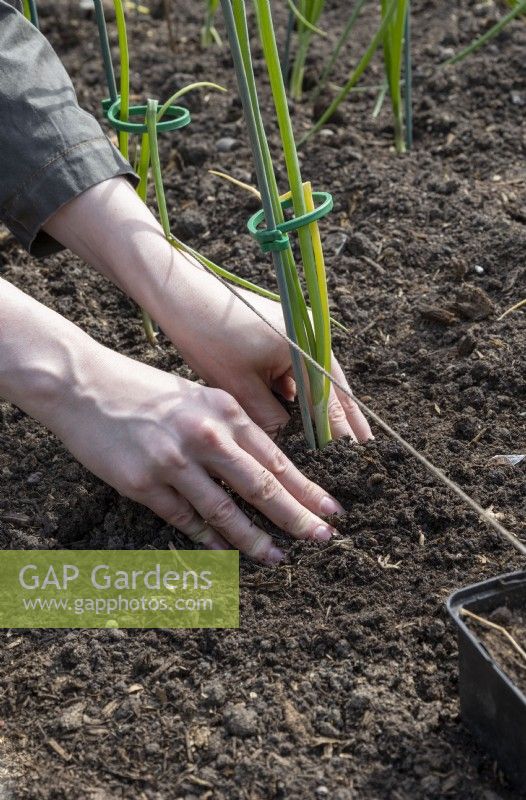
(41, 356)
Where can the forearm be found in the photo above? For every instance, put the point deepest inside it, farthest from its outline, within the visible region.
(42, 356)
(111, 229)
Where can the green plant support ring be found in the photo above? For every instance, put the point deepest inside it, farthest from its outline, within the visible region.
(178, 117)
(270, 239)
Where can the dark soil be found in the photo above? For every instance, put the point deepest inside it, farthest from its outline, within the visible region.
(505, 655)
(342, 679)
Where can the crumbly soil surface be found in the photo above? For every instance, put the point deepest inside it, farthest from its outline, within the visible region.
(341, 681)
(504, 652)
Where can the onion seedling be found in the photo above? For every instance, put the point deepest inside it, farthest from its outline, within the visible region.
(324, 77)
(286, 274)
(309, 236)
(518, 8)
(312, 336)
(357, 72)
(29, 8)
(209, 33)
(393, 42)
(394, 34)
(307, 13)
(393, 81)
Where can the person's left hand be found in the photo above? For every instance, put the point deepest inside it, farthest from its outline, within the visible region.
(220, 338)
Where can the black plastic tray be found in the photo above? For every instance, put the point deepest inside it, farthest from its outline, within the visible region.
(490, 703)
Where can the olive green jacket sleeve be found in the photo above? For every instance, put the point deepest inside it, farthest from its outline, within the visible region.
(50, 149)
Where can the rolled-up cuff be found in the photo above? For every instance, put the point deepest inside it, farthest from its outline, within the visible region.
(61, 179)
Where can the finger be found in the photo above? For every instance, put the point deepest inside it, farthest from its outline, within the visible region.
(262, 489)
(255, 442)
(355, 417)
(265, 409)
(339, 423)
(223, 515)
(285, 385)
(177, 511)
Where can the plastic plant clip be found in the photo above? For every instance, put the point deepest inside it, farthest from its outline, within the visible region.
(178, 117)
(276, 238)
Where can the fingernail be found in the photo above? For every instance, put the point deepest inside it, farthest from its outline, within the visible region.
(275, 556)
(323, 533)
(329, 506)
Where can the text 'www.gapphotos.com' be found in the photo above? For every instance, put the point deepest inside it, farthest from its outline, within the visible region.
(110, 605)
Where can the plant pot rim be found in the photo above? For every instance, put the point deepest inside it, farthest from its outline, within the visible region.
(480, 591)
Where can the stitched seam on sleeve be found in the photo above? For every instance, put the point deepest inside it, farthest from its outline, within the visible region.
(27, 183)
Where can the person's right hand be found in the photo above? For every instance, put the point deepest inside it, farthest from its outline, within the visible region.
(162, 440)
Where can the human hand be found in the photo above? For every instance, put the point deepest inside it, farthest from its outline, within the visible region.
(156, 438)
(162, 440)
(221, 339)
(258, 364)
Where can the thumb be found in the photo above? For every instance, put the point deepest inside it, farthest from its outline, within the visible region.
(356, 419)
(263, 407)
(285, 385)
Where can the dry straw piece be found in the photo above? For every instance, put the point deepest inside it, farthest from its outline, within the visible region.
(488, 624)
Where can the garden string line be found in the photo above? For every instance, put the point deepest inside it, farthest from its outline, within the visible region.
(436, 471)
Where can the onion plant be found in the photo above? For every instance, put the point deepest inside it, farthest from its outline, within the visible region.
(358, 71)
(307, 13)
(209, 33)
(393, 33)
(312, 336)
(342, 40)
(519, 7)
(393, 42)
(29, 8)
